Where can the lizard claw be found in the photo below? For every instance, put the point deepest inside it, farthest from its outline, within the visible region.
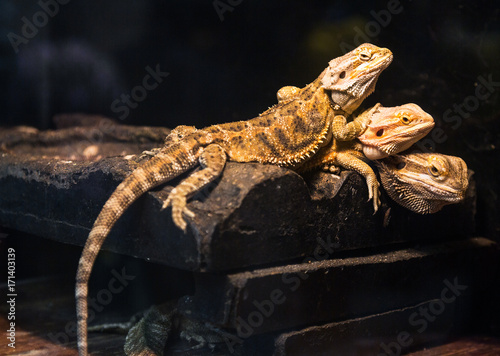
(178, 203)
(334, 170)
(189, 213)
(374, 193)
(149, 154)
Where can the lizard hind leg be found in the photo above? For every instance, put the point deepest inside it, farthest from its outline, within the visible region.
(178, 133)
(175, 136)
(212, 161)
(351, 160)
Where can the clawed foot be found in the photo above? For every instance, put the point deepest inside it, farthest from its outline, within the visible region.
(149, 154)
(374, 194)
(334, 170)
(178, 202)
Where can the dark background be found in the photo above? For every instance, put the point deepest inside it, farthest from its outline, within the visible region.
(227, 65)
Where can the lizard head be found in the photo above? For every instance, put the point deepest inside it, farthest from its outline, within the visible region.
(393, 130)
(349, 79)
(424, 182)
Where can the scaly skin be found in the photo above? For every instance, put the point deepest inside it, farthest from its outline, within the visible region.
(287, 134)
(151, 334)
(386, 131)
(161, 323)
(402, 127)
(424, 182)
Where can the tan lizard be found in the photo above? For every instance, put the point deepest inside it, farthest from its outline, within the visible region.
(424, 182)
(154, 330)
(287, 134)
(391, 130)
(417, 122)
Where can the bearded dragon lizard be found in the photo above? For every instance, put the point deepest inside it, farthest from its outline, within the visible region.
(391, 130)
(287, 134)
(396, 128)
(424, 182)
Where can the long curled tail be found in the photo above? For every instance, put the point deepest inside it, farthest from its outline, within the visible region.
(167, 164)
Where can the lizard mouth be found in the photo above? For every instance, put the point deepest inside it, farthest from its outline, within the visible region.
(374, 153)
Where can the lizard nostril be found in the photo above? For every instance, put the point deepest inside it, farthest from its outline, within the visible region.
(380, 132)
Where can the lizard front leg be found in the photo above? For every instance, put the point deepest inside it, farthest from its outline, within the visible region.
(212, 162)
(344, 131)
(351, 159)
(329, 162)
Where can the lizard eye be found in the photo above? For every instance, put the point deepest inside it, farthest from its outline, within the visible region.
(405, 120)
(401, 165)
(380, 132)
(433, 171)
(365, 56)
(342, 75)
(437, 167)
